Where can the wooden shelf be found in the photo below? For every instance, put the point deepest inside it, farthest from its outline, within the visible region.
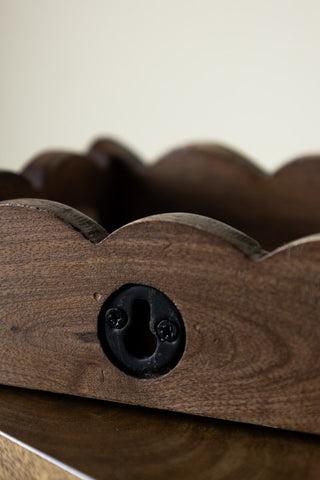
(241, 333)
(110, 441)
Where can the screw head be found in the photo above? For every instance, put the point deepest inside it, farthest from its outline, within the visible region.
(167, 331)
(116, 317)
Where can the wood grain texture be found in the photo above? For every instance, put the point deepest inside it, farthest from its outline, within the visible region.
(251, 318)
(18, 461)
(113, 186)
(109, 441)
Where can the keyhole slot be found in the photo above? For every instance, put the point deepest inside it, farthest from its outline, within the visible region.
(124, 329)
(139, 340)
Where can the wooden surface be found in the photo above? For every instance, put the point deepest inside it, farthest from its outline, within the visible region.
(251, 318)
(222, 184)
(19, 461)
(114, 442)
(113, 186)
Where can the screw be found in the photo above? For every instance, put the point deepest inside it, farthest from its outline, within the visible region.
(167, 331)
(116, 317)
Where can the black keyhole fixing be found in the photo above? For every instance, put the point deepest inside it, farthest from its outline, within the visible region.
(141, 331)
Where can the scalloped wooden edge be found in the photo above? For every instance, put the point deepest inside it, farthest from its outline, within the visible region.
(262, 313)
(241, 160)
(79, 221)
(108, 161)
(108, 146)
(95, 233)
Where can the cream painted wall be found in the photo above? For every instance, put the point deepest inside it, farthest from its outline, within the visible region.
(159, 73)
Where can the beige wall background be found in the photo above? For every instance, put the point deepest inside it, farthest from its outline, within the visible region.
(158, 74)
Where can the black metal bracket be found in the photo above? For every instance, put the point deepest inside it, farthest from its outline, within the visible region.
(141, 331)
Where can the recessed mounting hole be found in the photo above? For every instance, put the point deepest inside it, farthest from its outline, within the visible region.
(141, 331)
(139, 339)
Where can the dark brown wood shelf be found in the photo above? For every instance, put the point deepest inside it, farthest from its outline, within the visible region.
(209, 265)
(110, 441)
